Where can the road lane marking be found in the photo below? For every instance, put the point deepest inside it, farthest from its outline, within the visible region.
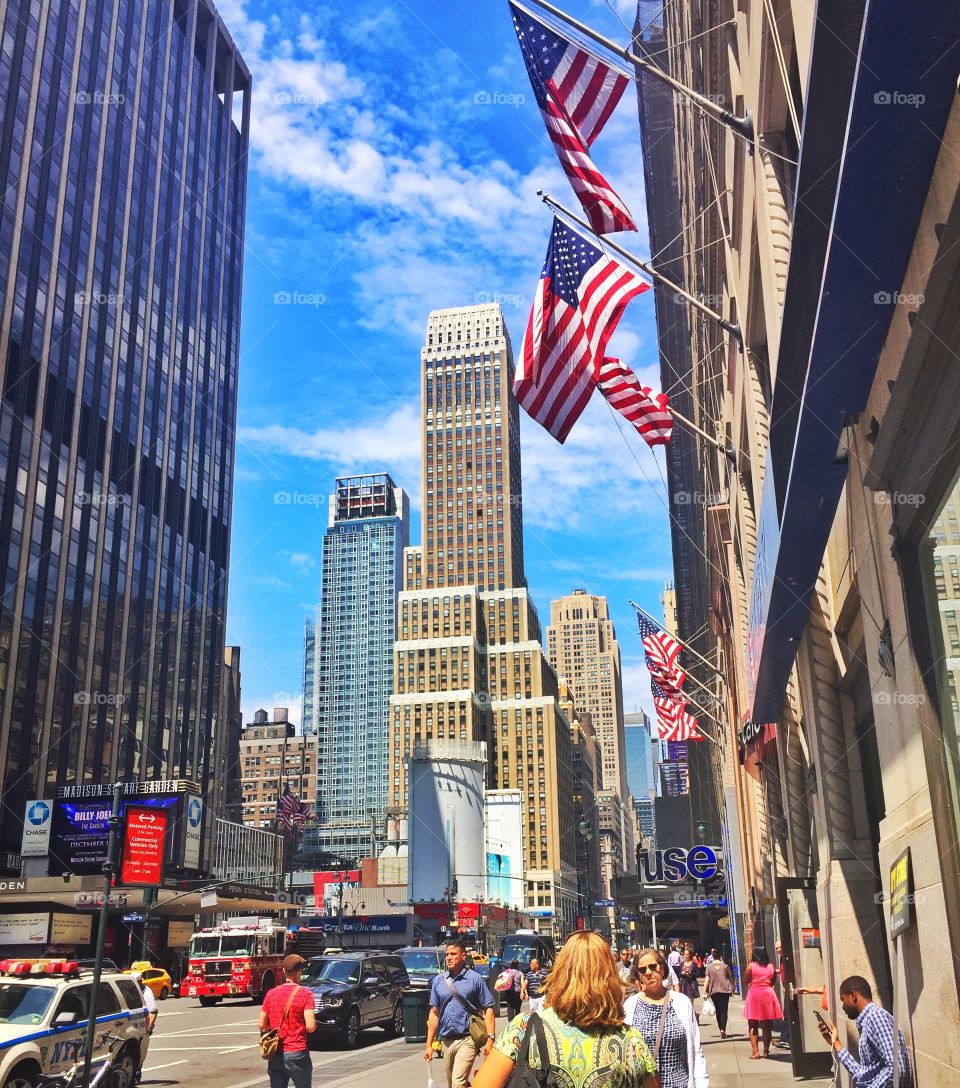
(258, 1082)
(154, 1068)
(235, 1049)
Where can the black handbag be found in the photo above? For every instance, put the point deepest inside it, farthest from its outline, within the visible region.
(524, 1075)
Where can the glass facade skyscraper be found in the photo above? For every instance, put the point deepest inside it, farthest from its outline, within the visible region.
(308, 718)
(367, 531)
(123, 158)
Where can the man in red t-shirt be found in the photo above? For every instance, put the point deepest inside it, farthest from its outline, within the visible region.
(291, 1062)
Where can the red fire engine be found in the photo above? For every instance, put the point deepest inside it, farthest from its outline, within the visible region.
(241, 958)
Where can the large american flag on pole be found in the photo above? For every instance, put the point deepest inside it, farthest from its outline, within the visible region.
(576, 94)
(661, 648)
(646, 410)
(580, 298)
(290, 809)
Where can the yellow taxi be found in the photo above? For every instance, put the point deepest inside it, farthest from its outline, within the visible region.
(157, 981)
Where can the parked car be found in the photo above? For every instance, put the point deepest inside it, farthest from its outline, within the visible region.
(354, 991)
(425, 963)
(43, 1018)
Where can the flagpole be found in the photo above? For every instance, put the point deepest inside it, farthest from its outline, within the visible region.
(731, 328)
(742, 126)
(722, 447)
(700, 657)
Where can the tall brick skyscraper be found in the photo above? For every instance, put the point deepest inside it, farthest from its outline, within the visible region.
(468, 664)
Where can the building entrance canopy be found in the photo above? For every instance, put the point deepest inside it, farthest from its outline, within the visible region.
(868, 151)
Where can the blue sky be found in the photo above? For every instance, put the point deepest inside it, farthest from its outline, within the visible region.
(396, 155)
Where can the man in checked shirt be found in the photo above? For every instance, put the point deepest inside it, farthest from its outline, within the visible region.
(875, 1068)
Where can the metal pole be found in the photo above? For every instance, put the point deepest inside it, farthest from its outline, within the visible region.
(742, 126)
(647, 269)
(895, 971)
(721, 446)
(108, 870)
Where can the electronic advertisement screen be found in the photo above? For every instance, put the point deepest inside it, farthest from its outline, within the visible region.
(81, 831)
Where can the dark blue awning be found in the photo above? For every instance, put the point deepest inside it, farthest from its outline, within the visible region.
(845, 274)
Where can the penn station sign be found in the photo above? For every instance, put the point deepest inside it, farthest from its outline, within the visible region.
(676, 864)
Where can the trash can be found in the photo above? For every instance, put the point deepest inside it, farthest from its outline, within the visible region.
(416, 1008)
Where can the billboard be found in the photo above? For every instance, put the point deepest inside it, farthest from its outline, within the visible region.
(504, 860)
(28, 928)
(71, 928)
(142, 848)
(80, 824)
(37, 818)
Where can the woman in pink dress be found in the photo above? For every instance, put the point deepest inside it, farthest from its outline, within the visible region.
(761, 1007)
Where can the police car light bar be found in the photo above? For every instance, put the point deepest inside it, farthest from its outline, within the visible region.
(25, 968)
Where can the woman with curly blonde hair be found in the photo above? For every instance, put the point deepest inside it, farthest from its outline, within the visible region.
(581, 1027)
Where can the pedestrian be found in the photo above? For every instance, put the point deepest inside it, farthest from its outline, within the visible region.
(532, 986)
(711, 956)
(289, 1007)
(625, 964)
(457, 994)
(875, 1025)
(689, 974)
(668, 1023)
(675, 959)
(513, 996)
(586, 1039)
(150, 1006)
(761, 1007)
(783, 1043)
(719, 986)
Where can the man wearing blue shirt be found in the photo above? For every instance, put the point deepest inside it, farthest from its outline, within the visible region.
(875, 1025)
(449, 1019)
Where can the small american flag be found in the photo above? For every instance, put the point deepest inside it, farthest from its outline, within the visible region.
(290, 809)
(576, 94)
(579, 301)
(646, 410)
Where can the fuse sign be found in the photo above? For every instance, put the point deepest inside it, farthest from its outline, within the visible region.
(144, 835)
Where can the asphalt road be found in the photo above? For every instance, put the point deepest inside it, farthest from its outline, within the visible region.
(217, 1048)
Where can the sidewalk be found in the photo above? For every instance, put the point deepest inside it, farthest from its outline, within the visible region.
(728, 1063)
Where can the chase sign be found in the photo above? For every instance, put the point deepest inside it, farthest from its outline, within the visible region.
(36, 829)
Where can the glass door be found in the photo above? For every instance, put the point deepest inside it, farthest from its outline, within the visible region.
(803, 969)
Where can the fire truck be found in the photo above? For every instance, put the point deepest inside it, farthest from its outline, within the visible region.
(241, 958)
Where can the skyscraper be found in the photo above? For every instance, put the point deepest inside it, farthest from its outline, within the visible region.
(368, 529)
(308, 717)
(468, 661)
(123, 159)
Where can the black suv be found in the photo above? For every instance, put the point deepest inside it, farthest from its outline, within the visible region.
(356, 990)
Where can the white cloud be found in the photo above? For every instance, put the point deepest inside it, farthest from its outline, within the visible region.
(392, 440)
(300, 561)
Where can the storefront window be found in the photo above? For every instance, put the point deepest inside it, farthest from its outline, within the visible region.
(940, 560)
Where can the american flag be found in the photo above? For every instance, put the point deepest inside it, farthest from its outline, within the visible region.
(579, 301)
(661, 647)
(576, 94)
(290, 809)
(646, 410)
(673, 722)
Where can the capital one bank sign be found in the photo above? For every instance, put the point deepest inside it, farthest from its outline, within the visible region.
(673, 865)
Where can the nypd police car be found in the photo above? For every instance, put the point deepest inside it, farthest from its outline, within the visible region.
(43, 1014)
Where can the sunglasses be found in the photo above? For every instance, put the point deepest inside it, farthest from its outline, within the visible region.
(646, 968)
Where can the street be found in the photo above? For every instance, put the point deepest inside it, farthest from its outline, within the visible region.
(217, 1048)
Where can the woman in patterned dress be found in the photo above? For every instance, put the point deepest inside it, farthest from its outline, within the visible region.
(680, 1060)
(588, 1044)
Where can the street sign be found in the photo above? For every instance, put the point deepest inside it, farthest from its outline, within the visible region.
(144, 835)
(599, 904)
(133, 917)
(901, 894)
(540, 913)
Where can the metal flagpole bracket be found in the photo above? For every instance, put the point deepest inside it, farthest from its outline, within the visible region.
(648, 270)
(742, 126)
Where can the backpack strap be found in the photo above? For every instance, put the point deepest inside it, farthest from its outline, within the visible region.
(471, 1011)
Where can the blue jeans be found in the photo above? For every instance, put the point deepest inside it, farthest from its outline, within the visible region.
(294, 1065)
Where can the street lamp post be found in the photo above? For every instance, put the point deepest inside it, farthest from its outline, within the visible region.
(586, 832)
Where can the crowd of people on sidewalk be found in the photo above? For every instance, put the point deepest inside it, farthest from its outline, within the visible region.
(624, 1020)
